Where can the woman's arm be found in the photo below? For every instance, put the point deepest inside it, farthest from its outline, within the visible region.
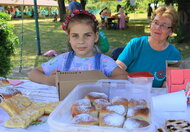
(37, 75)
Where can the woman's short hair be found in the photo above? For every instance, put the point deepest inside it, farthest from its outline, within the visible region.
(169, 12)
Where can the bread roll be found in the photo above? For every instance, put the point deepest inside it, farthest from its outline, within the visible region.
(85, 102)
(120, 100)
(119, 109)
(84, 109)
(112, 120)
(135, 102)
(96, 95)
(141, 112)
(133, 123)
(85, 119)
(100, 103)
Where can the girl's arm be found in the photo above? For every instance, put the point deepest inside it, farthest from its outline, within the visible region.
(121, 64)
(119, 73)
(37, 75)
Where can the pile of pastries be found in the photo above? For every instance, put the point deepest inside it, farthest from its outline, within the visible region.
(96, 109)
(24, 111)
(175, 126)
(178, 125)
(3, 82)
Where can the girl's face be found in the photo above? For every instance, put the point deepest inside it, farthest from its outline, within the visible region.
(161, 28)
(82, 39)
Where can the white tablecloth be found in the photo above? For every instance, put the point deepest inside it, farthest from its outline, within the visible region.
(45, 93)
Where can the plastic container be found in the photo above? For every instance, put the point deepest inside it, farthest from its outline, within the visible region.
(142, 78)
(60, 119)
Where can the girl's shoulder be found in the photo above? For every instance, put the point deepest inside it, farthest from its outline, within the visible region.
(105, 57)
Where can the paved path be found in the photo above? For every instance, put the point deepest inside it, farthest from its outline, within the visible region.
(15, 74)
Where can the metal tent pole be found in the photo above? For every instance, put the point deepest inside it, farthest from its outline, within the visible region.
(37, 27)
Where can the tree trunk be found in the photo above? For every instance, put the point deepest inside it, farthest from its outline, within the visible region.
(168, 2)
(62, 10)
(184, 19)
(83, 3)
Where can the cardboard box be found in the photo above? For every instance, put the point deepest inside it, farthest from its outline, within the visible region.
(66, 81)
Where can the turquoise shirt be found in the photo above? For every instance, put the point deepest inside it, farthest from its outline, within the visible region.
(138, 56)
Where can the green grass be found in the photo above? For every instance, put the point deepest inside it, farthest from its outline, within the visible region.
(53, 37)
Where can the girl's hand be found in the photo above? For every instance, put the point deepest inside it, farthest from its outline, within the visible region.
(51, 78)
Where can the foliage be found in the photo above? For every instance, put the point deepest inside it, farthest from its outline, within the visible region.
(5, 16)
(7, 41)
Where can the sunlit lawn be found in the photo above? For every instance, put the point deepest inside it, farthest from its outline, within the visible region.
(53, 37)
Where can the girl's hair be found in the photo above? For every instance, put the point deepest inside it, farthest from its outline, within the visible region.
(80, 17)
(169, 12)
(118, 7)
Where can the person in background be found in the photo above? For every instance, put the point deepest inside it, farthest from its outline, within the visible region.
(150, 53)
(82, 29)
(149, 12)
(55, 17)
(121, 17)
(104, 14)
(73, 5)
(126, 20)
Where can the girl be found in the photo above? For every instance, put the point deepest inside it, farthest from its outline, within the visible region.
(82, 29)
(121, 18)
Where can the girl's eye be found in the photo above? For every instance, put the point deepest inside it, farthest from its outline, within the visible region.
(74, 35)
(88, 35)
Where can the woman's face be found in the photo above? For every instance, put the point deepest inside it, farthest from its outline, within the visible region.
(161, 28)
(82, 39)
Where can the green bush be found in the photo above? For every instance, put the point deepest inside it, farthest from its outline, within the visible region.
(5, 16)
(7, 41)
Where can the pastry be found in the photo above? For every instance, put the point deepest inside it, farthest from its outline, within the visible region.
(4, 82)
(96, 95)
(135, 102)
(177, 125)
(119, 109)
(10, 107)
(141, 112)
(85, 119)
(133, 123)
(112, 120)
(24, 119)
(49, 107)
(9, 92)
(84, 109)
(85, 102)
(100, 103)
(120, 100)
(161, 129)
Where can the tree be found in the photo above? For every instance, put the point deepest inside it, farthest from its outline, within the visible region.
(62, 10)
(83, 3)
(184, 19)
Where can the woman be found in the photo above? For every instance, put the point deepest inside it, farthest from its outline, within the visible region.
(149, 53)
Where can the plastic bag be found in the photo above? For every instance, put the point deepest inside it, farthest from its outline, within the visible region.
(103, 43)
